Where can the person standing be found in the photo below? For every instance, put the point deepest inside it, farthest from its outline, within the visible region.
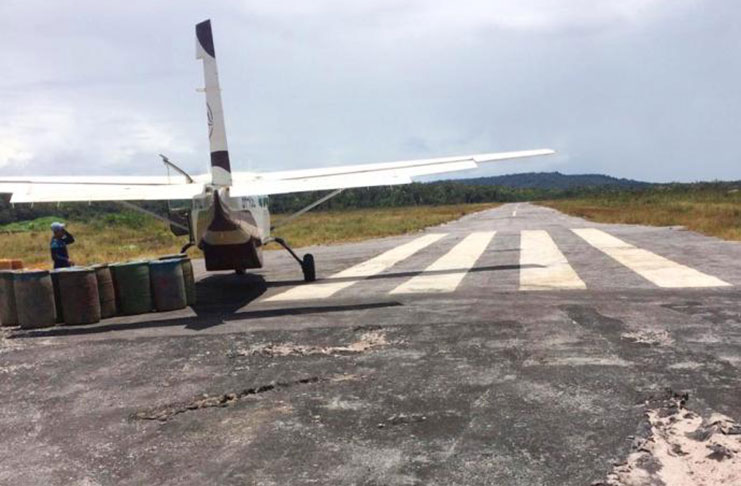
(59, 241)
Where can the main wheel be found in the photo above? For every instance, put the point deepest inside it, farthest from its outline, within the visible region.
(239, 271)
(307, 266)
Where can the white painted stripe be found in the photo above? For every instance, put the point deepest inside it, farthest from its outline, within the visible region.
(543, 266)
(447, 272)
(654, 268)
(324, 289)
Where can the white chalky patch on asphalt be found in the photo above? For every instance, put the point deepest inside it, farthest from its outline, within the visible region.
(658, 270)
(376, 265)
(543, 266)
(447, 272)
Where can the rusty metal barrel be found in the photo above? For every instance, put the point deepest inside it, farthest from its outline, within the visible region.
(188, 276)
(131, 281)
(8, 314)
(168, 285)
(34, 299)
(78, 292)
(106, 291)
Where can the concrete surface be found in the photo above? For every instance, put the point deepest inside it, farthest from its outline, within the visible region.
(486, 384)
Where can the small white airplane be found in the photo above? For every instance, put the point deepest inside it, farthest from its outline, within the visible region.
(228, 216)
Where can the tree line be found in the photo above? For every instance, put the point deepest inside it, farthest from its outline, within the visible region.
(416, 194)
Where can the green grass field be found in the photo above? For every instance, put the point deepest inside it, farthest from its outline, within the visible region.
(130, 235)
(709, 211)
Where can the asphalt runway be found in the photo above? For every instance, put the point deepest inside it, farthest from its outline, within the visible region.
(517, 346)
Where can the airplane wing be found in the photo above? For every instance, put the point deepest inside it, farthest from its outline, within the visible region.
(104, 188)
(127, 188)
(365, 175)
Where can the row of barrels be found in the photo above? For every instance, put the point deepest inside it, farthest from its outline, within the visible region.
(85, 295)
(8, 264)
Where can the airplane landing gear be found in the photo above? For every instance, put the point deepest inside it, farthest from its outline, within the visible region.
(307, 263)
(308, 268)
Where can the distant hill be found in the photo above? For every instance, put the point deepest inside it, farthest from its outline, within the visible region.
(554, 180)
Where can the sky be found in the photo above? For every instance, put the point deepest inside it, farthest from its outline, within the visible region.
(644, 89)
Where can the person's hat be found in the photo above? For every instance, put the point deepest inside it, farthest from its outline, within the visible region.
(57, 226)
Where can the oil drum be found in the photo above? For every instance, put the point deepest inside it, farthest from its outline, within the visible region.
(78, 293)
(131, 282)
(106, 291)
(168, 285)
(8, 314)
(188, 276)
(34, 299)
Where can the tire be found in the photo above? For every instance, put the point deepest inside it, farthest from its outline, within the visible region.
(307, 266)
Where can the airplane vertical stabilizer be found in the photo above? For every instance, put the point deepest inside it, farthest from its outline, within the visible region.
(220, 167)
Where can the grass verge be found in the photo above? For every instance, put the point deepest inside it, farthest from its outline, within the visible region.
(714, 213)
(130, 236)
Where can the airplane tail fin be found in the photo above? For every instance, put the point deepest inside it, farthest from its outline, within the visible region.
(221, 172)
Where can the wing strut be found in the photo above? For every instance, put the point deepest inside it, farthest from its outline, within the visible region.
(307, 209)
(153, 214)
(169, 163)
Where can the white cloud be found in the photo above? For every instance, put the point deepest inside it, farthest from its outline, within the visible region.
(13, 152)
(74, 138)
(95, 87)
(439, 16)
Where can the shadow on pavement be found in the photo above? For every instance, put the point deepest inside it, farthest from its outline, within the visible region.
(413, 273)
(196, 323)
(219, 298)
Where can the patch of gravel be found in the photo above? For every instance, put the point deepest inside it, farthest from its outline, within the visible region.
(366, 342)
(682, 449)
(650, 338)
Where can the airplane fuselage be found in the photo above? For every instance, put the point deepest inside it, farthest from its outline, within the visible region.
(230, 231)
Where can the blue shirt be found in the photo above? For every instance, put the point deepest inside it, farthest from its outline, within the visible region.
(59, 250)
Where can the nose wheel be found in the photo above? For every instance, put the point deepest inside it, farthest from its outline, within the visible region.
(307, 262)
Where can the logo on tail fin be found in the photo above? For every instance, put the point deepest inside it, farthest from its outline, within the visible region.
(210, 115)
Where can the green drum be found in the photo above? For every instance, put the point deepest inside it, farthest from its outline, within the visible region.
(34, 299)
(168, 285)
(78, 294)
(106, 291)
(131, 282)
(188, 276)
(8, 314)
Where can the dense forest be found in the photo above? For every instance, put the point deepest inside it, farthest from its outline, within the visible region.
(555, 180)
(519, 187)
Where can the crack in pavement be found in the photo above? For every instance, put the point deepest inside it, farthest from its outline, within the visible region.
(166, 412)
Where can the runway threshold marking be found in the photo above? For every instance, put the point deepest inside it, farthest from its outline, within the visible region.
(447, 272)
(654, 268)
(543, 266)
(350, 276)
